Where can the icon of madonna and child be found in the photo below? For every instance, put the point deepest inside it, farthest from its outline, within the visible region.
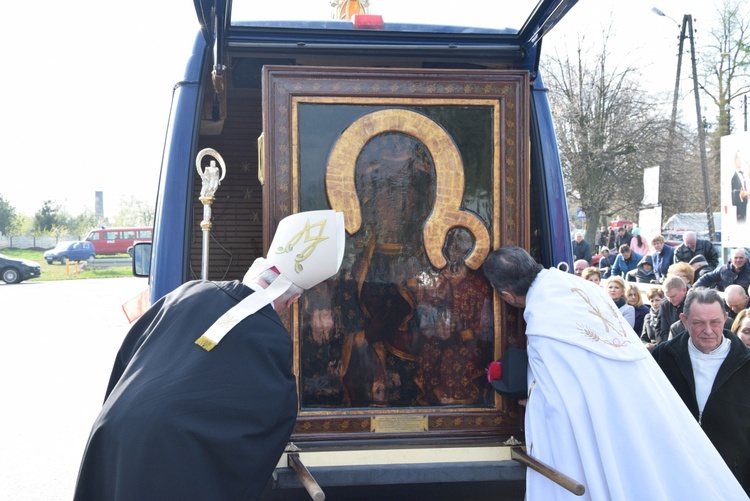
(408, 321)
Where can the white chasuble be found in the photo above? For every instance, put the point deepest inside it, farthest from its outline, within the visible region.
(600, 409)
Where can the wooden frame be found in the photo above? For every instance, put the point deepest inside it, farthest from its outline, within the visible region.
(420, 162)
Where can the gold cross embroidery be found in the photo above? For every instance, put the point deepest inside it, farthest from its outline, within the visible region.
(226, 320)
(312, 239)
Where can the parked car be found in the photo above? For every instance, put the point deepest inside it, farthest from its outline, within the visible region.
(14, 270)
(71, 251)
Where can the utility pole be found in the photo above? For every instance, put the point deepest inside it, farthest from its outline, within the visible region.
(673, 121)
(687, 26)
(688, 20)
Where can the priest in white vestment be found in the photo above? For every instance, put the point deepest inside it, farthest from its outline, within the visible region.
(599, 408)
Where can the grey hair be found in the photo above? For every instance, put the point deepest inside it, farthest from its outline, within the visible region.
(511, 268)
(671, 283)
(269, 276)
(739, 249)
(701, 296)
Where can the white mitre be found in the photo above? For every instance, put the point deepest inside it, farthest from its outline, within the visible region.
(307, 249)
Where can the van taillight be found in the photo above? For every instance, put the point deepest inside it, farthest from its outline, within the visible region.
(367, 21)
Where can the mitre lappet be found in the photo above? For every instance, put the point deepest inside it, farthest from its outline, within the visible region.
(307, 249)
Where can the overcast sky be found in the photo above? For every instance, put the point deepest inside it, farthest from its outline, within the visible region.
(639, 37)
(88, 87)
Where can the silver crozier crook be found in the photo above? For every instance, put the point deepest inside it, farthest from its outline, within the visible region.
(211, 177)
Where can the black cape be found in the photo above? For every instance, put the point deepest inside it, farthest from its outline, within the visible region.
(179, 422)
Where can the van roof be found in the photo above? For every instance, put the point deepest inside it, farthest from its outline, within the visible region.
(119, 228)
(517, 27)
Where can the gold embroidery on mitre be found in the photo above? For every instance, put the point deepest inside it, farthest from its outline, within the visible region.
(616, 328)
(313, 241)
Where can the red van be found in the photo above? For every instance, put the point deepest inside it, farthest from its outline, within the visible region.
(108, 241)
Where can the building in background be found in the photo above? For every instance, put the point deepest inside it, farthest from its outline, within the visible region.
(99, 203)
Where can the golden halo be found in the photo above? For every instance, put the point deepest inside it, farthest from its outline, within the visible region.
(449, 172)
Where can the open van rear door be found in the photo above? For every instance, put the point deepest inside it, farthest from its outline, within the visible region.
(525, 21)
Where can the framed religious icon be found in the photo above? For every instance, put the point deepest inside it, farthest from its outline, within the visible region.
(430, 169)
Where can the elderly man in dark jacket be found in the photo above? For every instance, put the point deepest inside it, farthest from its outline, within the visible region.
(737, 272)
(691, 246)
(736, 300)
(710, 369)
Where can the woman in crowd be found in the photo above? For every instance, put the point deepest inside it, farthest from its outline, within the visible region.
(616, 291)
(638, 243)
(741, 326)
(655, 297)
(592, 274)
(684, 271)
(635, 299)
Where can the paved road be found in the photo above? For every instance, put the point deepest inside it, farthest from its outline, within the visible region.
(59, 341)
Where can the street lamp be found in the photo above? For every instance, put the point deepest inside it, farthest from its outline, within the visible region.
(687, 25)
(659, 12)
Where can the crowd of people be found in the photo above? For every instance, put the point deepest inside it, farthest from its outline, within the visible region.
(588, 370)
(687, 309)
(695, 262)
(203, 399)
(695, 321)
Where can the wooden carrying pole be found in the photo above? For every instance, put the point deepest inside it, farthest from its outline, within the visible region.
(308, 482)
(560, 479)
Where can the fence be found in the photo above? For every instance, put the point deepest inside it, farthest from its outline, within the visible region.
(35, 241)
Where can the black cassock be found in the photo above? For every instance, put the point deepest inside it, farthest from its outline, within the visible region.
(181, 423)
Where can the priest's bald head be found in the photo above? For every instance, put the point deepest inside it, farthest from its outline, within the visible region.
(511, 271)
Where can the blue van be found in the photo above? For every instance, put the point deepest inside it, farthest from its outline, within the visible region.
(428, 124)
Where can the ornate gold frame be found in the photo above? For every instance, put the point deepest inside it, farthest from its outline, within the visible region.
(506, 93)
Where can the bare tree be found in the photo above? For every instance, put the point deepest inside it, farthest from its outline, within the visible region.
(608, 131)
(681, 184)
(726, 75)
(726, 62)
